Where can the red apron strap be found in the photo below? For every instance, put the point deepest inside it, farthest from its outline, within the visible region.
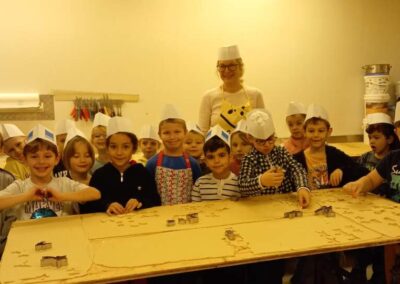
(160, 158)
(187, 160)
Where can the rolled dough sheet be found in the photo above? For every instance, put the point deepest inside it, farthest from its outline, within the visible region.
(22, 263)
(136, 251)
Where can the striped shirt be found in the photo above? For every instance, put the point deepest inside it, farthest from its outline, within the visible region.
(208, 187)
(254, 164)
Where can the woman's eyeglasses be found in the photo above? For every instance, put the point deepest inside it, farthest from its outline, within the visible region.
(230, 67)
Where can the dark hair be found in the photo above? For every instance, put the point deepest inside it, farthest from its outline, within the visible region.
(35, 145)
(69, 151)
(172, 120)
(215, 143)
(387, 130)
(315, 120)
(131, 136)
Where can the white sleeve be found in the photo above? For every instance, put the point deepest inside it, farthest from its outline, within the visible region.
(205, 113)
(12, 189)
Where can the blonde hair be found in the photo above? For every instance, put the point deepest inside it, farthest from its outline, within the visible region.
(172, 120)
(69, 151)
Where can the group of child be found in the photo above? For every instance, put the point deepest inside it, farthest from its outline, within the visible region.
(57, 173)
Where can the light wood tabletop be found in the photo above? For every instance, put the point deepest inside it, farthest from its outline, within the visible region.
(103, 249)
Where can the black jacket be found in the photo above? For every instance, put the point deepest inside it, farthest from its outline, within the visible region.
(136, 182)
(337, 159)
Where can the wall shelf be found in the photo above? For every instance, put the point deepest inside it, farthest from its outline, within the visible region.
(64, 95)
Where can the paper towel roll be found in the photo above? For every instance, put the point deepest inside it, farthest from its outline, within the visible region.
(18, 100)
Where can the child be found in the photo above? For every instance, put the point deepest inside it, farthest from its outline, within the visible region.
(382, 139)
(125, 185)
(240, 146)
(148, 144)
(193, 145)
(221, 183)
(174, 171)
(269, 169)
(295, 115)
(99, 132)
(62, 128)
(326, 166)
(42, 195)
(78, 156)
(14, 142)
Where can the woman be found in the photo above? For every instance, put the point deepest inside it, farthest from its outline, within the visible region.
(228, 103)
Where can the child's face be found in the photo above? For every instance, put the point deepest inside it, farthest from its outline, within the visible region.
(81, 162)
(99, 134)
(193, 144)
(397, 130)
(380, 145)
(239, 146)
(60, 141)
(218, 162)
(295, 123)
(41, 163)
(263, 146)
(120, 150)
(149, 147)
(172, 135)
(317, 133)
(14, 147)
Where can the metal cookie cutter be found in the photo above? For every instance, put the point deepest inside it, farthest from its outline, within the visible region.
(293, 214)
(43, 246)
(326, 211)
(56, 261)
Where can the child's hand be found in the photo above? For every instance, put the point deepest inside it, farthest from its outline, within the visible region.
(304, 197)
(115, 208)
(272, 177)
(54, 195)
(35, 194)
(336, 177)
(354, 188)
(132, 204)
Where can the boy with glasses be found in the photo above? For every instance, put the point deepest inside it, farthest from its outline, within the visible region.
(269, 169)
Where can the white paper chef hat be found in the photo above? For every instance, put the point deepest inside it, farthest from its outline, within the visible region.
(10, 130)
(148, 131)
(219, 132)
(63, 126)
(39, 131)
(228, 52)
(73, 132)
(119, 124)
(192, 126)
(100, 119)
(259, 124)
(316, 111)
(378, 117)
(397, 113)
(169, 111)
(240, 126)
(295, 108)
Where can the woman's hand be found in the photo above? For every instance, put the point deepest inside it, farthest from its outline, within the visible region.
(336, 177)
(115, 208)
(272, 177)
(132, 204)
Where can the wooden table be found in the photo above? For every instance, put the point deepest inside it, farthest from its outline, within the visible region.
(353, 149)
(138, 245)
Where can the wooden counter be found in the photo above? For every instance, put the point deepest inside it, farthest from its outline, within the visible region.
(103, 249)
(353, 149)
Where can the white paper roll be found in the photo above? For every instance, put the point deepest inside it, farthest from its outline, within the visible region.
(18, 100)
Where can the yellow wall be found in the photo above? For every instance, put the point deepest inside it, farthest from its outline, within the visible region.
(165, 50)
